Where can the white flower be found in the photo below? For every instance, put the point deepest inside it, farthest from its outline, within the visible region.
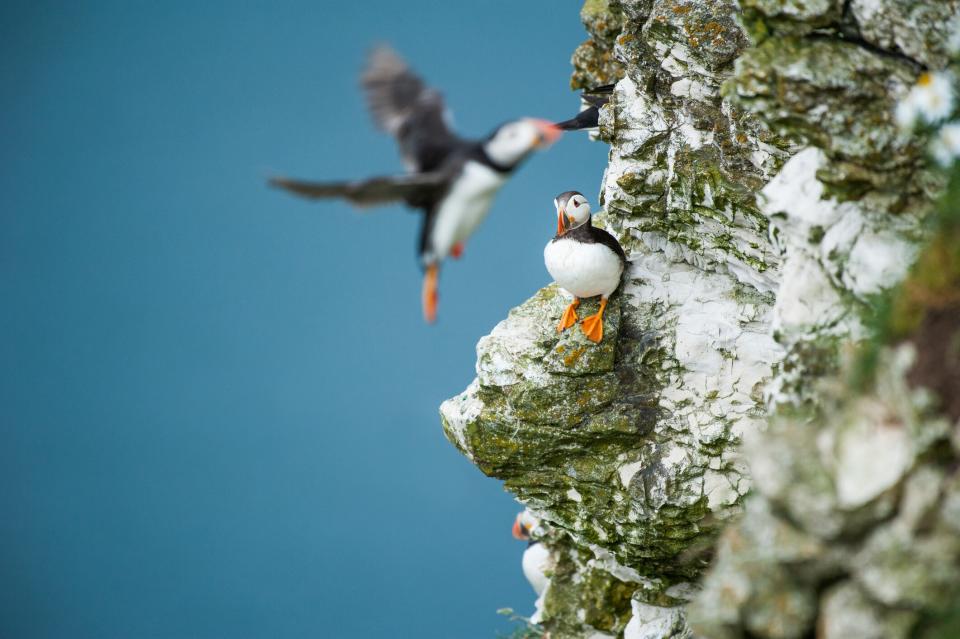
(931, 100)
(946, 146)
(933, 96)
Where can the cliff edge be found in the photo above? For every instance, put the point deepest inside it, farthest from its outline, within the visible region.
(772, 210)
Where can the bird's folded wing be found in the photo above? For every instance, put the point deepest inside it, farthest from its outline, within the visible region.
(604, 89)
(591, 100)
(597, 96)
(406, 108)
(378, 190)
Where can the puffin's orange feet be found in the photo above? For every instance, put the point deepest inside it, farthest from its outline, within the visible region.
(593, 326)
(569, 317)
(457, 251)
(429, 295)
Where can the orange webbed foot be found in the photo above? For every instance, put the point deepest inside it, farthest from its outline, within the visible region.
(457, 251)
(429, 295)
(569, 317)
(593, 326)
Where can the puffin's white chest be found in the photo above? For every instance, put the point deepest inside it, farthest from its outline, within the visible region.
(584, 270)
(536, 559)
(465, 206)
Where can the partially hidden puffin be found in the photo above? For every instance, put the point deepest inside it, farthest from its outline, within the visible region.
(536, 558)
(452, 180)
(583, 260)
(589, 117)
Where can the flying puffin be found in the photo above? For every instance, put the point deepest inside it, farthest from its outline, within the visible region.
(584, 260)
(588, 118)
(452, 180)
(536, 558)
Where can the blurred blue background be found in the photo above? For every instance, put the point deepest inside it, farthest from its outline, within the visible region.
(218, 410)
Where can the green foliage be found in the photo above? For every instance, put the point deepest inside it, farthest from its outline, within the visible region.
(946, 626)
(933, 284)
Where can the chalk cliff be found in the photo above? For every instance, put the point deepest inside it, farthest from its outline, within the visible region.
(765, 442)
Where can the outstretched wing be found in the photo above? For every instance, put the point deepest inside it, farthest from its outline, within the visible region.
(406, 108)
(420, 189)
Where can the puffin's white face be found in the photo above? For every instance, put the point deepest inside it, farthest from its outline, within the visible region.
(515, 140)
(572, 211)
(524, 524)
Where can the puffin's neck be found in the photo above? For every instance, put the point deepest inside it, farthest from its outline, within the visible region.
(480, 154)
(581, 229)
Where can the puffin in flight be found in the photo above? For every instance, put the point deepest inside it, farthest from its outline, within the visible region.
(589, 118)
(583, 260)
(452, 180)
(536, 558)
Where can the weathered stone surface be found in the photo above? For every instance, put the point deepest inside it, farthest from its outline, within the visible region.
(656, 622)
(830, 93)
(847, 613)
(791, 17)
(767, 201)
(593, 61)
(584, 597)
(857, 472)
(887, 550)
(917, 30)
(628, 447)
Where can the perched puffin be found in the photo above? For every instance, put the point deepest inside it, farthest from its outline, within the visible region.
(584, 260)
(450, 179)
(588, 118)
(536, 558)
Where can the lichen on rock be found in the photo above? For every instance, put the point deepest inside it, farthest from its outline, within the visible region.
(767, 202)
(849, 531)
(594, 61)
(627, 448)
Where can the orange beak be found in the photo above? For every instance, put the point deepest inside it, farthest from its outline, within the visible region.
(549, 132)
(518, 531)
(561, 226)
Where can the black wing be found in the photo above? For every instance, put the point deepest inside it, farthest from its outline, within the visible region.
(598, 93)
(420, 190)
(607, 239)
(406, 108)
(589, 118)
(590, 234)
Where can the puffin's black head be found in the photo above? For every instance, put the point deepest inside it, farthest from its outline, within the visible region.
(572, 210)
(512, 142)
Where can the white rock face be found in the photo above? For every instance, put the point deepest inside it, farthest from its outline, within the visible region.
(759, 228)
(829, 249)
(870, 455)
(629, 446)
(655, 622)
(849, 530)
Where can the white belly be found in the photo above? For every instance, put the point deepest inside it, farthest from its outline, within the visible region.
(465, 207)
(583, 270)
(536, 559)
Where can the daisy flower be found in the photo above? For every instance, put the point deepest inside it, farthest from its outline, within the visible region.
(933, 96)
